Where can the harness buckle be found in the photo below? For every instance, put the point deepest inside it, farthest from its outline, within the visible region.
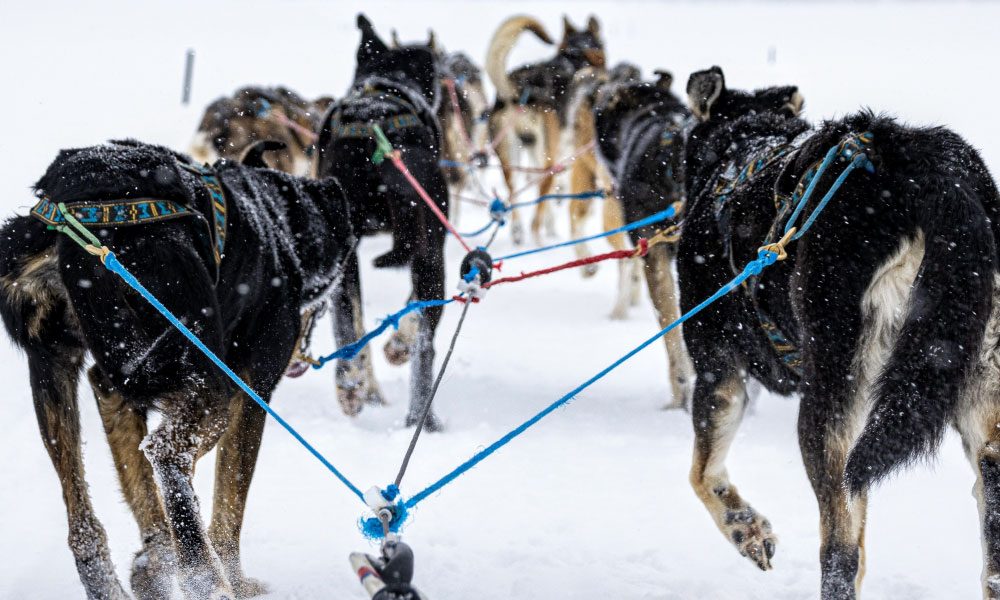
(779, 246)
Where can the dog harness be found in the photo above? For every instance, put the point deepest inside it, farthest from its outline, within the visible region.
(366, 129)
(733, 179)
(143, 211)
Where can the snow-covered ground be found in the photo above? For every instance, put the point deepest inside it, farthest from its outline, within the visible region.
(592, 504)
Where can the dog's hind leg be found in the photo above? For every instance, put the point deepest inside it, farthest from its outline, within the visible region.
(54, 375)
(581, 179)
(355, 378)
(662, 291)
(504, 151)
(552, 136)
(612, 217)
(428, 284)
(34, 306)
(193, 421)
(153, 567)
(719, 404)
(978, 422)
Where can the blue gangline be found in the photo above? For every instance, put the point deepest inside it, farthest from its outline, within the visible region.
(351, 350)
(650, 220)
(765, 258)
(112, 264)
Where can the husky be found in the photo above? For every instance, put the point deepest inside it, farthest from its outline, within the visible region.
(397, 89)
(884, 316)
(533, 101)
(639, 128)
(237, 253)
(232, 124)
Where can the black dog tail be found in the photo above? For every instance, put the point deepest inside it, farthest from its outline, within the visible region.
(953, 202)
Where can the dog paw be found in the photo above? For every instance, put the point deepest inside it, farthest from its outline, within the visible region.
(588, 271)
(247, 587)
(153, 573)
(432, 425)
(618, 313)
(352, 398)
(392, 258)
(751, 533)
(517, 233)
(397, 351)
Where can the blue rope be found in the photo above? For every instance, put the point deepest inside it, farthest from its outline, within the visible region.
(498, 208)
(859, 161)
(650, 220)
(452, 163)
(765, 258)
(547, 197)
(112, 264)
(351, 350)
(483, 229)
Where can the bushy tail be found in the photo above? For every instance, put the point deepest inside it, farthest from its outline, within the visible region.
(915, 396)
(500, 46)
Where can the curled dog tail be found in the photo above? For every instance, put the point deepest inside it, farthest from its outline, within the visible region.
(953, 201)
(500, 46)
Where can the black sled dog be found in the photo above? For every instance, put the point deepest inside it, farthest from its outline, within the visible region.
(883, 316)
(639, 131)
(398, 90)
(236, 253)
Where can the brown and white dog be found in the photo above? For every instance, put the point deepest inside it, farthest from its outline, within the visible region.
(532, 103)
(231, 125)
(588, 173)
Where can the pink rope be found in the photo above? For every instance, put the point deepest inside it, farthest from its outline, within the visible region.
(397, 160)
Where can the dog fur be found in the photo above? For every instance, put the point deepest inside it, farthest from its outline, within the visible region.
(588, 173)
(461, 118)
(533, 101)
(889, 299)
(638, 128)
(231, 125)
(390, 82)
(285, 239)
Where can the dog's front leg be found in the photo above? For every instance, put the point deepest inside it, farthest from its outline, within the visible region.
(356, 384)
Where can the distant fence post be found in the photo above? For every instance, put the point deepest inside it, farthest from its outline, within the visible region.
(188, 73)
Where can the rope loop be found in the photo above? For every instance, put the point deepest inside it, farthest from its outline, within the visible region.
(778, 248)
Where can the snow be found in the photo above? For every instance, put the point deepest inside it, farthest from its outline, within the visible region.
(594, 502)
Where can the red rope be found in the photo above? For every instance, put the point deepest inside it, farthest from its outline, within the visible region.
(397, 160)
(616, 255)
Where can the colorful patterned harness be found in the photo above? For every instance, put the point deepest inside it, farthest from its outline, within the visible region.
(143, 211)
